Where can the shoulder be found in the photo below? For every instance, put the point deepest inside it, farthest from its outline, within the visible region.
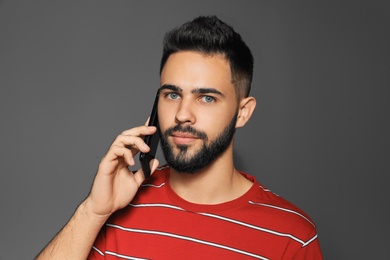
(278, 213)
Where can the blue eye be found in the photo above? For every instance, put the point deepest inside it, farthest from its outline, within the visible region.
(208, 99)
(172, 95)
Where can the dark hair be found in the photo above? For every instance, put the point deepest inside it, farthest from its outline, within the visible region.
(209, 35)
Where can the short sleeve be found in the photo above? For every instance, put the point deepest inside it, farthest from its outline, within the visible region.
(310, 251)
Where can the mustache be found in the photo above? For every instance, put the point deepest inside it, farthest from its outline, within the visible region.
(186, 129)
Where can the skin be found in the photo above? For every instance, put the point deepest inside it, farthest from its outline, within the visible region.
(199, 92)
(115, 185)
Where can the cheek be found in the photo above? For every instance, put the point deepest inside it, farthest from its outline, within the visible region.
(213, 125)
(217, 116)
(219, 124)
(162, 123)
(163, 115)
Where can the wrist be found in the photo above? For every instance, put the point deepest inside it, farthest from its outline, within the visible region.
(86, 212)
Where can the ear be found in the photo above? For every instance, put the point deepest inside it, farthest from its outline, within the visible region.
(245, 110)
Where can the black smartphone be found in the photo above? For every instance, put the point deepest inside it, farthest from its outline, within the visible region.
(151, 140)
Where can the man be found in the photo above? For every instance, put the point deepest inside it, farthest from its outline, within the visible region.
(198, 205)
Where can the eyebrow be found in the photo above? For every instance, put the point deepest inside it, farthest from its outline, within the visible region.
(207, 91)
(195, 91)
(171, 87)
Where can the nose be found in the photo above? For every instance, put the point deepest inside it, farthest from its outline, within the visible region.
(185, 113)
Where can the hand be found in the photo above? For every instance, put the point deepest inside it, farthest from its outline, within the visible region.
(115, 185)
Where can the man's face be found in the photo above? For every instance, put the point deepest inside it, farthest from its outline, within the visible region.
(197, 110)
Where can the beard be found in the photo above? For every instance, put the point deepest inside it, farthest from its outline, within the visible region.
(192, 162)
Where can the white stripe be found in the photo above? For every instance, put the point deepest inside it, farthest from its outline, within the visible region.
(311, 240)
(156, 205)
(254, 227)
(187, 239)
(264, 189)
(268, 190)
(283, 209)
(226, 219)
(97, 250)
(154, 186)
(124, 256)
(163, 167)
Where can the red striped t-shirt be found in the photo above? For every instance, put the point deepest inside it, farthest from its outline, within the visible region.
(158, 224)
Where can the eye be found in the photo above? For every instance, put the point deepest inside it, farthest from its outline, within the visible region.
(172, 95)
(208, 99)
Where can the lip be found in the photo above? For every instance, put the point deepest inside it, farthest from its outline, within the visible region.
(183, 138)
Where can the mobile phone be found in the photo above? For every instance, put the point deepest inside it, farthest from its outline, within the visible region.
(151, 140)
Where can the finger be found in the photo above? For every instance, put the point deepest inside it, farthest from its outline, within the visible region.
(134, 143)
(140, 131)
(116, 152)
(139, 177)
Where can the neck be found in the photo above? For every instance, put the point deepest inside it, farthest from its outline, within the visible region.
(217, 183)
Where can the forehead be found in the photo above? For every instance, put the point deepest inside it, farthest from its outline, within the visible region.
(189, 70)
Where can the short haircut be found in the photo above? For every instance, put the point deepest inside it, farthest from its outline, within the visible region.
(209, 35)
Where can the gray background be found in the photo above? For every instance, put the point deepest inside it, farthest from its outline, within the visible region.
(74, 74)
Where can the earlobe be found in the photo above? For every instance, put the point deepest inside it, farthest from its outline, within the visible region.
(245, 111)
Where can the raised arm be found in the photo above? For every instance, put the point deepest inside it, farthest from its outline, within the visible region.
(113, 188)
